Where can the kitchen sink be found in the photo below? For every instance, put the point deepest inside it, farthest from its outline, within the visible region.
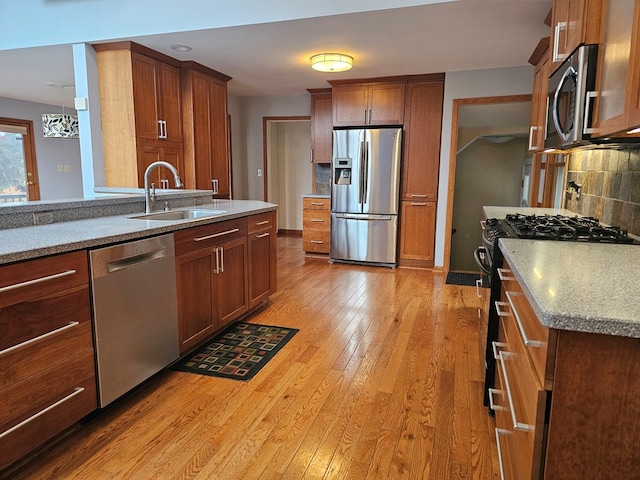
(189, 214)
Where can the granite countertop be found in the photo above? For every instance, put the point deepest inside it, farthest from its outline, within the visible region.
(314, 195)
(586, 287)
(501, 212)
(36, 241)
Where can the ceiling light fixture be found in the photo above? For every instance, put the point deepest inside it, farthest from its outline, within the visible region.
(181, 48)
(331, 62)
(56, 125)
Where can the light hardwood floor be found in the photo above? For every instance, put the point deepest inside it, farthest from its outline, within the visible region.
(383, 381)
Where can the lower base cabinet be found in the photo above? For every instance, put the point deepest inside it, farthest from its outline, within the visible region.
(262, 257)
(417, 234)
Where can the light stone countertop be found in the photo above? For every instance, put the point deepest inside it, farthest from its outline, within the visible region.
(36, 241)
(314, 195)
(586, 287)
(501, 212)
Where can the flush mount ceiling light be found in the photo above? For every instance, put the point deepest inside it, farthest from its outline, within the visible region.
(56, 125)
(181, 48)
(331, 62)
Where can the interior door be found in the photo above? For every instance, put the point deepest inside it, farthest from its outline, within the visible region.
(19, 179)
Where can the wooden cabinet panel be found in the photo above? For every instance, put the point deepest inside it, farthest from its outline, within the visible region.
(417, 233)
(262, 257)
(206, 136)
(152, 152)
(232, 281)
(315, 241)
(321, 126)
(169, 101)
(316, 220)
(316, 203)
(423, 126)
(368, 104)
(573, 22)
(538, 121)
(316, 224)
(209, 235)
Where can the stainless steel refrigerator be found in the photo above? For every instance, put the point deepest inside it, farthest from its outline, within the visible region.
(365, 195)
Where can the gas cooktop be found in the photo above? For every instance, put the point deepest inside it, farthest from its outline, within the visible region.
(555, 227)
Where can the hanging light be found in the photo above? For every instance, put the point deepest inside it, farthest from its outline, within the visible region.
(56, 125)
(331, 62)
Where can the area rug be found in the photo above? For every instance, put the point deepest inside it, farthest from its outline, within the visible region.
(469, 279)
(238, 352)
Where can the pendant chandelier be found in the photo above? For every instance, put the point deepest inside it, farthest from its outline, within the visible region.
(56, 125)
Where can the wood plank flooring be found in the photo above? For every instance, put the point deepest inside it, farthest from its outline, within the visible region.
(383, 381)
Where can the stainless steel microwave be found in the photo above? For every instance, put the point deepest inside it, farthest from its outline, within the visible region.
(569, 101)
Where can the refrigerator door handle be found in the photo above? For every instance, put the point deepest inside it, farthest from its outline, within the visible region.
(361, 183)
(365, 181)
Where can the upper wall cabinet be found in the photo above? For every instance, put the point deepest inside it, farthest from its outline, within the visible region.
(573, 22)
(617, 101)
(140, 106)
(321, 125)
(375, 103)
(206, 145)
(539, 59)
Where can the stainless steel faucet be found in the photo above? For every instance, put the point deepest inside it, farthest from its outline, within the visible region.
(150, 197)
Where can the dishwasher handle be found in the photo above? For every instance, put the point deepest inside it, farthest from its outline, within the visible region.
(135, 260)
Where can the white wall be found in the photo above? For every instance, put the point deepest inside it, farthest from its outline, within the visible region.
(470, 84)
(248, 130)
(50, 152)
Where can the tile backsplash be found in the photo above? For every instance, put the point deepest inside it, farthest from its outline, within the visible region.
(610, 182)
(322, 184)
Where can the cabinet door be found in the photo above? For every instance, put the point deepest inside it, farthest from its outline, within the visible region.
(218, 124)
(321, 128)
(169, 104)
(231, 281)
(145, 87)
(422, 140)
(417, 233)
(195, 275)
(617, 57)
(386, 104)
(539, 105)
(262, 252)
(160, 176)
(350, 105)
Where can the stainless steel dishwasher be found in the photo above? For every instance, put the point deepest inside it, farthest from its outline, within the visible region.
(135, 313)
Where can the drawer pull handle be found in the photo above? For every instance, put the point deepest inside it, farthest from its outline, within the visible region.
(317, 204)
(317, 241)
(262, 235)
(207, 237)
(500, 431)
(316, 220)
(522, 427)
(483, 224)
(505, 274)
(38, 338)
(418, 204)
(492, 405)
(418, 195)
(495, 346)
(37, 280)
(478, 285)
(499, 305)
(264, 222)
(76, 391)
(525, 338)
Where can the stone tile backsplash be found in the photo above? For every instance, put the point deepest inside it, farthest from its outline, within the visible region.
(322, 179)
(610, 182)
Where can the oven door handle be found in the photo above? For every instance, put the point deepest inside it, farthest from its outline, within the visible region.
(480, 254)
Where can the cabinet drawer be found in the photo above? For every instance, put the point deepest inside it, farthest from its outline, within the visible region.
(316, 203)
(208, 235)
(315, 241)
(36, 278)
(261, 221)
(316, 220)
(45, 404)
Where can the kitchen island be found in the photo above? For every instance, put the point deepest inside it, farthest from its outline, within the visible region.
(567, 390)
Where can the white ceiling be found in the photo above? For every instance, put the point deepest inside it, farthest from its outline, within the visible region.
(273, 58)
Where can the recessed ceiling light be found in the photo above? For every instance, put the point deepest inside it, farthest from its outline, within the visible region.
(181, 48)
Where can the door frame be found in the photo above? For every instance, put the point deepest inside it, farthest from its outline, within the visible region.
(29, 152)
(457, 103)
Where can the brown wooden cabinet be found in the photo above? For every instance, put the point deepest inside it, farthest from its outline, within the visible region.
(46, 351)
(211, 274)
(617, 102)
(321, 125)
(420, 167)
(540, 59)
(316, 224)
(559, 408)
(573, 22)
(141, 110)
(263, 250)
(374, 103)
(206, 135)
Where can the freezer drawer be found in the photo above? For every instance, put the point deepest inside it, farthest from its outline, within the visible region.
(364, 238)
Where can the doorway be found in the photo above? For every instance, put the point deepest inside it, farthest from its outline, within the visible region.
(18, 168)
(488, 157)
(287, 168)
